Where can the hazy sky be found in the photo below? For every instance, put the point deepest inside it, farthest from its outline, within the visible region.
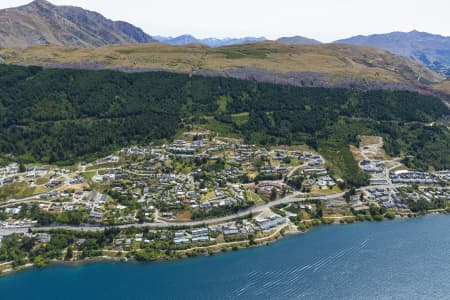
(326, 20)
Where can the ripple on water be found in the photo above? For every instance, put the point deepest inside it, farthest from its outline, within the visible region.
(389, 260)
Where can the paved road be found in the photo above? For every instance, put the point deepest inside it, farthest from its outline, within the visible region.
(8, 231)
(253, 210)
(36, 198)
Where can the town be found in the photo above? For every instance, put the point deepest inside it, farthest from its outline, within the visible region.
(202, 193)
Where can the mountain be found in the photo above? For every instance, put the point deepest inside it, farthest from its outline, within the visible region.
(42, 23)
(184, 40)
(430, 49)
(298, 40)
(181, 40)
(212, 42)
(325, 65)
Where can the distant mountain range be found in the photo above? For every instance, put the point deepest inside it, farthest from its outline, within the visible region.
(430, 49)
(183, 40)
(42, 23)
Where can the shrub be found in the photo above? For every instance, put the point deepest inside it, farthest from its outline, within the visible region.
(378, 217)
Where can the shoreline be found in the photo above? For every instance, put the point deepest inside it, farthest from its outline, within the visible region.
(279, 234)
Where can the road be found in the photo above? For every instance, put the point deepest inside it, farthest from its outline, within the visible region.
(295, 169)
(160, 224)
(36, 198)
(8, 231)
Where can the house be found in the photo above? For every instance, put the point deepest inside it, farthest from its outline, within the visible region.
(13, 210)
(200, 239)
(96, 214)
(230, 231)
(200, 231)
(81, 241)
(319, 171)
(179, 234)
(44, 237)
(271, 222)
(180, 241)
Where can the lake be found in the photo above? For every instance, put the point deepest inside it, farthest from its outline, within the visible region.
(401, 259)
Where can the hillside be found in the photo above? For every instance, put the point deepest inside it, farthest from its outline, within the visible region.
(51, 116)
(42, 23)
(326, 65)
(430, 49)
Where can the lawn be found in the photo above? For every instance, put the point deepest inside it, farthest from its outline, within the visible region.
(252, 196)
(18, 190)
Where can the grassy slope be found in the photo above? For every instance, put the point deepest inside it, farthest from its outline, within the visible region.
(334, 62)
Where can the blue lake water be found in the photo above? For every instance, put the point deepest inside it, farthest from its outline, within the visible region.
(402, 259)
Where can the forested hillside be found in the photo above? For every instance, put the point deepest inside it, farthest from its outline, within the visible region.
(67, 115)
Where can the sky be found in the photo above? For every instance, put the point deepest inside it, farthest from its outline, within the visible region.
(325, 20)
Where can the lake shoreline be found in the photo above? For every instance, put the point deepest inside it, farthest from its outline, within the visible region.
(281, 233)
(330, 262)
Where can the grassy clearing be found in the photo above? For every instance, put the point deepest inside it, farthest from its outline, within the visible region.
(18, 190)
(208, 196)
(42, 180)
(316, 190)
(370, 140)
(89, 175)
(184, 215)
(103, 166)
(252, 196)
(373, 147)
(342, 164)
(356, 153)
(222, 102)
(240, 119)
(221, 128)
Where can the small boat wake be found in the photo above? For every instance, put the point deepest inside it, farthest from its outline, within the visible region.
(288, 279)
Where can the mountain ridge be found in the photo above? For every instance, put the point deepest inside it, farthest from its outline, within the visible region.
(298, 40)
(42, 23)
(433, 50)
(44, 34)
